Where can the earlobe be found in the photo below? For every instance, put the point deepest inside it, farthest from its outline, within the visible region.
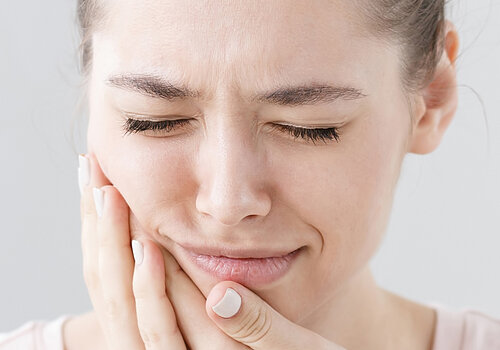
(438, 102)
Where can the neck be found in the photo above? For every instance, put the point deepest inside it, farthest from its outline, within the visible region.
(363, 316)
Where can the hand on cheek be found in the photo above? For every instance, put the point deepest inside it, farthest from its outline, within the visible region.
(109, 271)
(232, 317)
(129, 295)
(144, 300)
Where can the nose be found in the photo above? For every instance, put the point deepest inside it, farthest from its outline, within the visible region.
(232, 179)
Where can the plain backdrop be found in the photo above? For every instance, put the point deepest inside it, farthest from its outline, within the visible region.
(442, 243)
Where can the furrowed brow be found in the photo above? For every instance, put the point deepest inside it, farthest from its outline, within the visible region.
(310, 94)
(152, 86)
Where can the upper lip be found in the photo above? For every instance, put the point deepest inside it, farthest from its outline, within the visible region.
(241, 253)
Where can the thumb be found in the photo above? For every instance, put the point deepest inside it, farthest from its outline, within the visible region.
(248, 319)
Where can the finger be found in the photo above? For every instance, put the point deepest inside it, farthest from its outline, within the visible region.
(189, 306)
(155, 315)
(245, 317)
(115, 269)
(89, 176)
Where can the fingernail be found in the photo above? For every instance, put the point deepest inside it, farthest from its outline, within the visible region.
(99, 201)
(83, 172)
(229, 305)
(138, 251)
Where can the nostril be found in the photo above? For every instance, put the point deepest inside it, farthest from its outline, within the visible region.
(252, 219)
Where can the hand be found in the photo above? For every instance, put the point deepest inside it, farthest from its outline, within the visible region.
(130, 300)
(153, 304)
(258, 325)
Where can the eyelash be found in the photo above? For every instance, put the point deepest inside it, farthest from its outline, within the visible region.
(311, 135)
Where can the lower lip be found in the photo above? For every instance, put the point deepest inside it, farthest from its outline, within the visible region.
(251, 272)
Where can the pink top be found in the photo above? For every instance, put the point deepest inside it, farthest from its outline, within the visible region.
(35, 335)
(464, 329)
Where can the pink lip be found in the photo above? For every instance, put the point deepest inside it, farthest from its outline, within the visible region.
(250, 272)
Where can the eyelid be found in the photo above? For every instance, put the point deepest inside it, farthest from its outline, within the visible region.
(332, 125)
(153, 118)
(310, 126)
(308, 134)
(160, 118)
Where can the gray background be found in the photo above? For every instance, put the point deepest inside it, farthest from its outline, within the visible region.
(442, 245)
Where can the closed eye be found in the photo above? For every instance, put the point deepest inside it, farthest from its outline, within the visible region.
(313, 135)
(308, 134)
(134, 126)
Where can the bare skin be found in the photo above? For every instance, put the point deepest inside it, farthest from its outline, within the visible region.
(408, 325)
(222, 179)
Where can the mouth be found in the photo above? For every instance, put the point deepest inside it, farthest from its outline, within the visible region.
(242, 266)
(237, 253)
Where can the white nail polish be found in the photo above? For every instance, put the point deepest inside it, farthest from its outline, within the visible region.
(99, 201)
(83, 172)
(138, 251)
(229, 305)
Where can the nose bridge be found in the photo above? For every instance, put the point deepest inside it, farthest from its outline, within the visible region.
(231, 176)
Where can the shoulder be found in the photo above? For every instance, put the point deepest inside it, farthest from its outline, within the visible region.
(35, 334)
(465, 329)
(481, 330)
(67, 332)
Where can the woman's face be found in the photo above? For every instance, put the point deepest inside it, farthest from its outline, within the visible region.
(228, 178)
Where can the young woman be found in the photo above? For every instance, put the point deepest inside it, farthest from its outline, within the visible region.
(241, 166)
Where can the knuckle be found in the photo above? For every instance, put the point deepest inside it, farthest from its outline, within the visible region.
(144, 297)
(112, 309)
(254, 326)
(150, 337)
(141, 295)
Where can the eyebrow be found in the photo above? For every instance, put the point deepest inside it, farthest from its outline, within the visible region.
(305, 94)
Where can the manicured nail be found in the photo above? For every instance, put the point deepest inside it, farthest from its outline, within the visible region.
(98, 200)
(83, 172)
(229, 305)
(138, 251)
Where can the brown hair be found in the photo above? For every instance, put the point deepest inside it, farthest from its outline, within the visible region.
(416, 25)
(89, 15)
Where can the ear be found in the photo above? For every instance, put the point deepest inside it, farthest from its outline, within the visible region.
(437, 103)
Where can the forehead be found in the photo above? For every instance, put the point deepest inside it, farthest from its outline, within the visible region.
(238, 43)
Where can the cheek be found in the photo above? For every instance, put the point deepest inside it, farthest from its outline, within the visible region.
(371, 184)
(151, 175)
(346, 193)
